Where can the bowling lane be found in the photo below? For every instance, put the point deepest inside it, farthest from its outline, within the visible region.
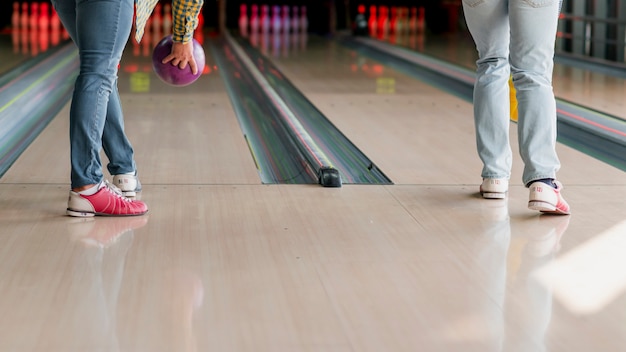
(181, 135)
(34, 29)
(423, 140)
(224, 263)
(596, 90)
(415, 133)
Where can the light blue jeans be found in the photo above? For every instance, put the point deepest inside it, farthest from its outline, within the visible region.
(100, 29)
(515, 37)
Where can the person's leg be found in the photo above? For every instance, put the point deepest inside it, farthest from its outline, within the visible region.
(533, 34)
(100, 30)
(488, 23)
(118, 149)
(114, 140)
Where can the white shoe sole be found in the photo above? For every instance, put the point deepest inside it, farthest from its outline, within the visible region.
(493, 195)
(541, 206)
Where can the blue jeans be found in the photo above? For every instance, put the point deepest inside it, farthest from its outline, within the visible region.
(515, 37)
(100, 29)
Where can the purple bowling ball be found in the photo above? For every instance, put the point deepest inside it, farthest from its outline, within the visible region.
(171, 74)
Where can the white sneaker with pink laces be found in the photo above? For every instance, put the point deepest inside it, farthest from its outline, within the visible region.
(547, 199)
(107, 201)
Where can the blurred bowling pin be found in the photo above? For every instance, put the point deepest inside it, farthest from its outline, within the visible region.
(286, 19)
(15, 27)
(295, 20)
(265, 18)
(243, 20)
(254, 18)
(167, 19)
(372, 23)
(15, 15)
(304, 21)
(276, 19)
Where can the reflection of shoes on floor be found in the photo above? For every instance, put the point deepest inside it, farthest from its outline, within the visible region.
(494, 210)
(546, 234)
(494, 188)
(128, 183)
(103, 232)
(108, 201)
(547, 199)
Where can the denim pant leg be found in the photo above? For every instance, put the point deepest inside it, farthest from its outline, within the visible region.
(100, 30)
(533, 34)
(487, 21)
(116, 145)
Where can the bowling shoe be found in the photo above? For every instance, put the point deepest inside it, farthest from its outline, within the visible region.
(107, 201)
(128, 183)
(547, 199)
(494, 188)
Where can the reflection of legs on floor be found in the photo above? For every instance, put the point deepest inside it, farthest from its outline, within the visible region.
(530, 302)
(490, 271)
(480, 325)
(91, 288)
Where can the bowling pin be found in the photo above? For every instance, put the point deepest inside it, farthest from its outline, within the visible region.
(265, 19)
(243, 20)
(44, 26)
(55, 29)
(276, 19)
(15, 27)
(254, 18)
(34, 16)
(286, 19)
(304, 20)
(167, 19)
(373, 22)
(24, 22)
(44, 16)
(295, 20)
(383, 22)
(24, 17)
(393, 22)
(15, 15)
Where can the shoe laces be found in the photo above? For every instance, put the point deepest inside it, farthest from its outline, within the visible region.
(115, 190)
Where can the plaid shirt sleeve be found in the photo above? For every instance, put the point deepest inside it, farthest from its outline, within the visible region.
(185, 17)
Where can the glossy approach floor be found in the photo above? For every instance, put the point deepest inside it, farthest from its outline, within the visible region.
(225, 263)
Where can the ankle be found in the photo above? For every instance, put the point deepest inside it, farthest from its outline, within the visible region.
(83, 188)
(547, 181)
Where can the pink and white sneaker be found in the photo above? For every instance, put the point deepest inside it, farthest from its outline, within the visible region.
(108, 201)
(547, 199)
